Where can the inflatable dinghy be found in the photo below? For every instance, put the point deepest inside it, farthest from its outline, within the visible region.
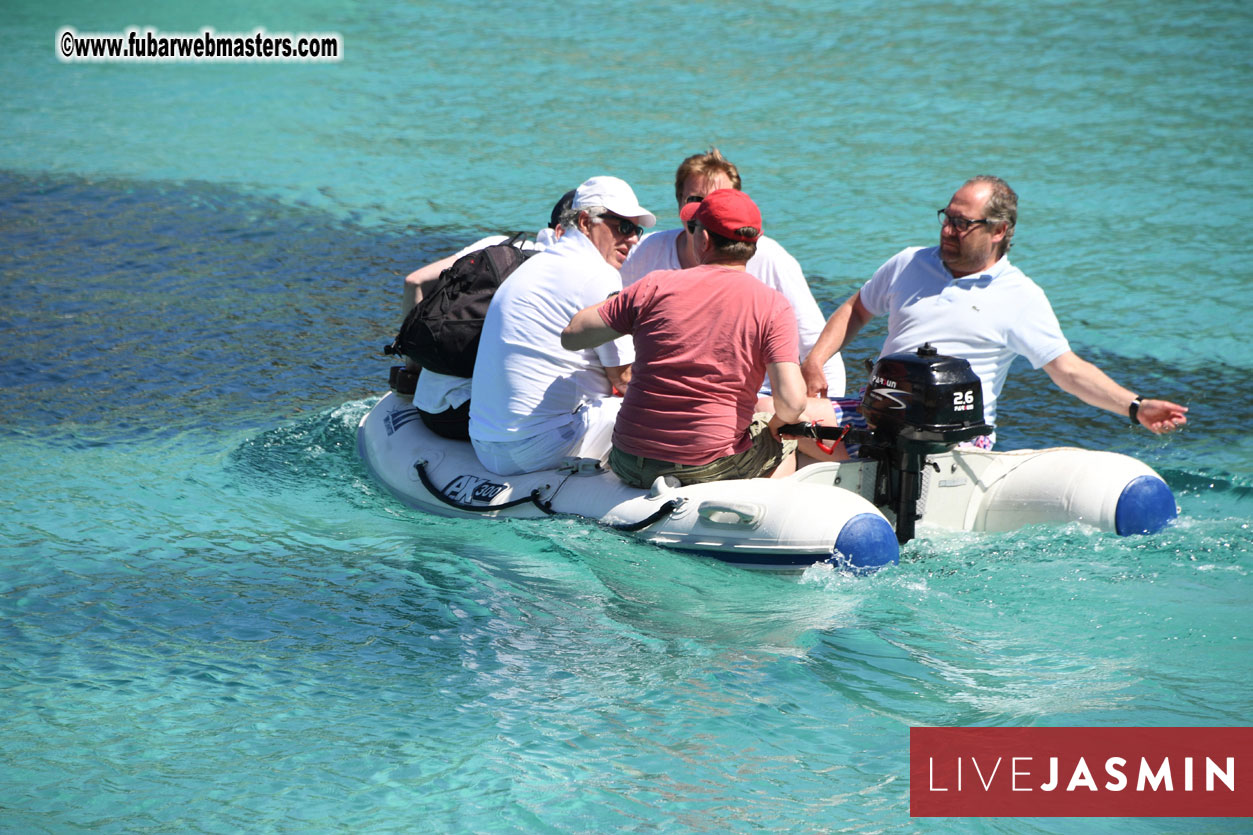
(853, 514)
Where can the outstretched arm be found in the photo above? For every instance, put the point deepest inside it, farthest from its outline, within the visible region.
(845, 322)
(1093, 386)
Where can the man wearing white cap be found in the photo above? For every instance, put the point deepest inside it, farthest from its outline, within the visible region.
(532, 402)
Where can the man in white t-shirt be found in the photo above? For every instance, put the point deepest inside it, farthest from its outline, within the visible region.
(967, 300)
(443, 400)
(533, 403)
(671, 249)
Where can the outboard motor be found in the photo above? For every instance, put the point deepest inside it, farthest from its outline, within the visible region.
(916, 404)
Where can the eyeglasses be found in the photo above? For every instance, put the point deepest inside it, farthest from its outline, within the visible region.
(691, 227)
(624, 226)
(961, 224)
(695, 198)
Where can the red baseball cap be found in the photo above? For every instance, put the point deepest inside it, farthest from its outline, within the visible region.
(725, 212)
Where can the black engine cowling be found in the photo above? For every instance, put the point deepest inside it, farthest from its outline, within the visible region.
(924, 397)
(916, 404)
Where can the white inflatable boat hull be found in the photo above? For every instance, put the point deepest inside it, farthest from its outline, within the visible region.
(759, 523)
(977, 490)
(823, 513)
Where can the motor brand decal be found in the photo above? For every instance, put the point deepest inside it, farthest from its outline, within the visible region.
(896, 398)
(964, 401)
(469, 489)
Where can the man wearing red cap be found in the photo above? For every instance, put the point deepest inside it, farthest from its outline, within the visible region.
(774, 266)
(705, 338)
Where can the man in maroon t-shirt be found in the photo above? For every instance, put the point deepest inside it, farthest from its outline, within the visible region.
(705, 339)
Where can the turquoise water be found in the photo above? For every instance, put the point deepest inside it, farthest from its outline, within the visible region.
(214, 621)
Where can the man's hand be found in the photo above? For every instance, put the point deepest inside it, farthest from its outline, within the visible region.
(1161, 416)
(847, 320)
(815, 379)
(773, 426)
(619, 377)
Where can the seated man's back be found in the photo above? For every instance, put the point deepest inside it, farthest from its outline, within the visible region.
(704, 337)
(526, 381)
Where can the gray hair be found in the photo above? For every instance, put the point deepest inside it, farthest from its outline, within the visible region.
(1002, 206)
(570, 217)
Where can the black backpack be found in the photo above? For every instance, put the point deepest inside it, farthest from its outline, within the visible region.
(441, 333)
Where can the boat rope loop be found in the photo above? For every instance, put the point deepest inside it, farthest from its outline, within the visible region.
(653, 518)
(534, 498)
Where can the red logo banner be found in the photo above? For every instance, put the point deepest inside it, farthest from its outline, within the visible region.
(1080, 772)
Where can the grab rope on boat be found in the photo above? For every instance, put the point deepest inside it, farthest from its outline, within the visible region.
(534, 498)
(652, 519)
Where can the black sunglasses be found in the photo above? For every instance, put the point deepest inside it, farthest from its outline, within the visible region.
(961, 224)
(625, 226)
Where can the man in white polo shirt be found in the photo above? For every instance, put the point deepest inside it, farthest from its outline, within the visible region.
(533, 403)
(966, 299)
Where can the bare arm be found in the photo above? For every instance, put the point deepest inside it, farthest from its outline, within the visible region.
(844, 324)
(788, 392)
(587, 330)
(1078, 377)
(416, 281)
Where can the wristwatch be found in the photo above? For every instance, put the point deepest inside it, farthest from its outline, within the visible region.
(1133, 412)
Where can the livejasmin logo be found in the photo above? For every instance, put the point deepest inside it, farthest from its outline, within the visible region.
(1081, 776)
(1080, 772)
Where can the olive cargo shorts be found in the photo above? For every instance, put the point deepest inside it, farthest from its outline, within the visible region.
(759, 459)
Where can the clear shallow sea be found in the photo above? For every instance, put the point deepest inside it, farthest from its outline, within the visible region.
(213, 621)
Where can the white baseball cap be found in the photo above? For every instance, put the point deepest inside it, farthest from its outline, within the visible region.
(616, 196)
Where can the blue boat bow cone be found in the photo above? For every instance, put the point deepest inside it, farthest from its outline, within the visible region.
(867, 542)
(1145, 506)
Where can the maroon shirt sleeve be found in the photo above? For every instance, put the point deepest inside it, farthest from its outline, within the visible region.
(620, 311)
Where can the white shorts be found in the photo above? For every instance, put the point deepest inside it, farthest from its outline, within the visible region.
(588, 434)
